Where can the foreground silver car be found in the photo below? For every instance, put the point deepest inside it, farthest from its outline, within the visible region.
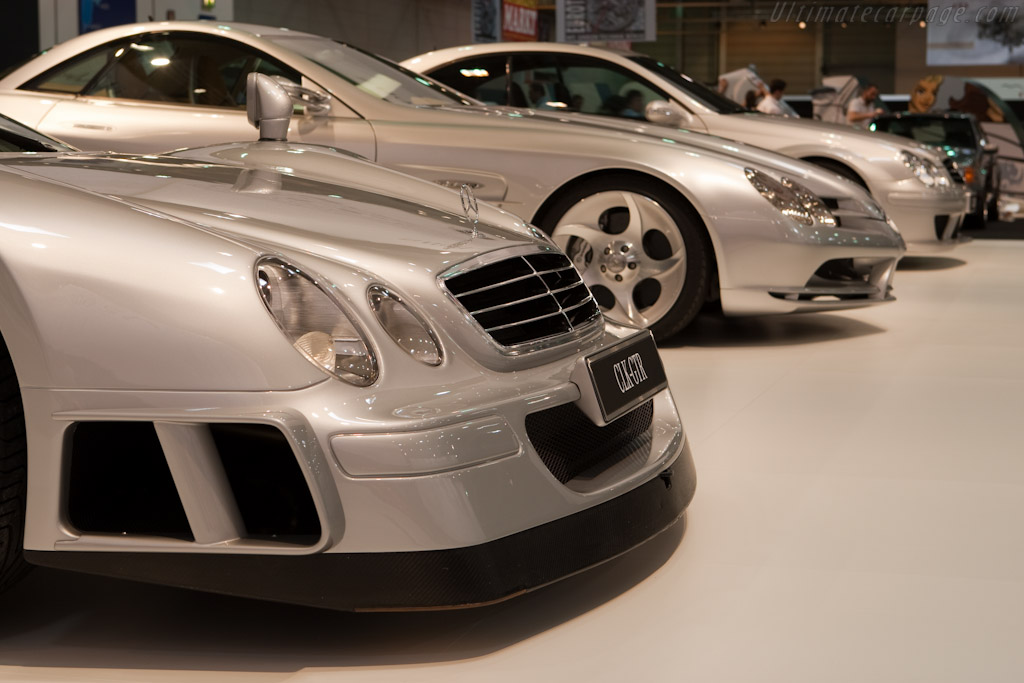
(339, 393)
(657, 226)
(912, 187)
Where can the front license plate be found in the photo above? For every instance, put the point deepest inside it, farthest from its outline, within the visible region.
(626, 375)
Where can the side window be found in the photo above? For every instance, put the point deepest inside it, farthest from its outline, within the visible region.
(184, 69)
(537, 83)
(146, 69)
(598, 87)
(75, 74)
(479, 77)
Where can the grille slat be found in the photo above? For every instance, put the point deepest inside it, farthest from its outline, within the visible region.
(539, 318)
(526, 298)
(556, 292)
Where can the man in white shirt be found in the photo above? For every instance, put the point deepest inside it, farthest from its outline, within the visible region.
(770, 103)
(862, 109)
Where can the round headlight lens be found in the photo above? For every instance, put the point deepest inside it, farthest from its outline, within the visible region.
(791, 198)
(405, 327)
(315, 324)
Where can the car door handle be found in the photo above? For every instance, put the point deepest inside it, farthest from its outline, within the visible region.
(91, 126)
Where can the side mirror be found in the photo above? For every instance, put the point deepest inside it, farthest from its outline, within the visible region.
(664, 113)
(268, 106)
(315, 102)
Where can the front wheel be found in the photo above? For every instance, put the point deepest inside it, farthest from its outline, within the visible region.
(642, 251)
(12, 474)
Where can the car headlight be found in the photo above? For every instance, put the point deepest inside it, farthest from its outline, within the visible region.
(315, 323)
(791, 198)
(405, 327)
(926, 170)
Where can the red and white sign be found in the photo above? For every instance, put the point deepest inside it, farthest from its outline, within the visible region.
(519, 20)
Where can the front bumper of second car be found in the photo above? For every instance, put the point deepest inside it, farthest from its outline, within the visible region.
(929, 220)
(818, 268)
(416, 499)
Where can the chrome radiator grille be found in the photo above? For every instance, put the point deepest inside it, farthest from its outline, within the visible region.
(526, 298)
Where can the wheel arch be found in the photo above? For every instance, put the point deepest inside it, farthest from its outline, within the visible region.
(839, 167)
(18, 331)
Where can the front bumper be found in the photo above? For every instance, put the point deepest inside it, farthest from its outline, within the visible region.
(388, 524)
(815, 269)
(459, 577)
(929, 221)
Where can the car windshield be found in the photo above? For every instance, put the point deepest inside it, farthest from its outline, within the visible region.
(371, 74)
(15, 137)
(930, 130)
(706, 96)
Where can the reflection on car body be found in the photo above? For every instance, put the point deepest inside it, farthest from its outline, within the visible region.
(926, 206)
(657, 224)
(239, 378)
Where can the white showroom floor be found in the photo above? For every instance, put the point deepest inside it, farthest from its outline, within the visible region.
(859, 517)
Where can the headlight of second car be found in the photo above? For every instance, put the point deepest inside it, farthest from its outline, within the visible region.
(791, 198)
(926, 170)
(315, 323)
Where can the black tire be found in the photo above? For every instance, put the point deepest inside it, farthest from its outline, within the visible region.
(976, 220)
(992, 208)
(992, 198)
(696, 242)
(13, 474)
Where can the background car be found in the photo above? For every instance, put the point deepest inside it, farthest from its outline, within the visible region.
(967, 152)
(912, 188)
(657, 226)
(239, 379)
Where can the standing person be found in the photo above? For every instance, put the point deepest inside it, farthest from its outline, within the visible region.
(770, 103)
(862, 109)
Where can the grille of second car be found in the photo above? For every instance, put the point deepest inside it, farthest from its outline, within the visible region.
(525, 298)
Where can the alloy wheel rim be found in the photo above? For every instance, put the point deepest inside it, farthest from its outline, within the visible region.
(629, 252)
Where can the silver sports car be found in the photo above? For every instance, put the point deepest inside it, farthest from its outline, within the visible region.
(906, 179)
(352, 393)
(657, 225)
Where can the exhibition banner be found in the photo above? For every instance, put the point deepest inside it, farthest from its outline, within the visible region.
(486, 21)
(96, 14)
(937, 93)
(519, 20)
(586, 21)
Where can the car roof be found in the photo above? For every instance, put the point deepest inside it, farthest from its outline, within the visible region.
(449, 54)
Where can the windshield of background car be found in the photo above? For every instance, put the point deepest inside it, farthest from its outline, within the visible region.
(175, 67)
(15, 137)
(706, 96)
(935, 132)
(371, 74)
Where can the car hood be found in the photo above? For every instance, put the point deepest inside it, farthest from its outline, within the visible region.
(811, 130)
(738, 151)
(410, 226)
(559, 126)
(822, 182)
